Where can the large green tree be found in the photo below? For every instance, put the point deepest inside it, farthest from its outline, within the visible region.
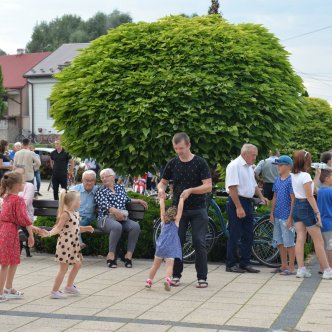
(2, 52)
(125, 96)
(72, 29)
(313, 132)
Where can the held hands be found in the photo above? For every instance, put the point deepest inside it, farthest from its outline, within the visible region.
(185, 194)
(31, 241)
(86, 229)
(39, 231)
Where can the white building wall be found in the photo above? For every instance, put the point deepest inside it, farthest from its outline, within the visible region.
(39, 94)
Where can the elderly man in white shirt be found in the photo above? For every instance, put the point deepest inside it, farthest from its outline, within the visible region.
(241, 186)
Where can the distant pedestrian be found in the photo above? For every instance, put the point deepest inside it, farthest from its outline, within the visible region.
(28, 160)
(306, 215)
(68, 250)
(59, 163)
(16, 147)
(324, 202)
(168, 243)
(267, 171)
(281, 216)
(241, 186)
(36, 169)
(5, 163)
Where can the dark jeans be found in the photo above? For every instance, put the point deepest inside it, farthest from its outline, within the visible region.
(38, 179)
(239, 229)
(198, 220)
(267, 190)
(58, 180)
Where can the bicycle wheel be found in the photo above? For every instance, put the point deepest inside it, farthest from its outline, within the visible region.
(262, 248)
(38, 139)
(51, 138)
(19, 138)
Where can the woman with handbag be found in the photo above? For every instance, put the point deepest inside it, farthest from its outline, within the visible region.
(111, 200)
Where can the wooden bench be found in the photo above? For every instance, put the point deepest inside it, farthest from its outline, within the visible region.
(49, 208)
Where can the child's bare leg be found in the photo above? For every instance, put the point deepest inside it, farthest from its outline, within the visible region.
(73, 273)
(169, 267)
(155, 266)
(291, 257)
(283, 256)
(3, 277)
(329, 256)
(10, 276)
(60, 276)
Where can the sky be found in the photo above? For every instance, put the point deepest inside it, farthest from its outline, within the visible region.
(311, 54)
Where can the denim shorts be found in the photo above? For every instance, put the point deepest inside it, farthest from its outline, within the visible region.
(303, 211)
(282, 235)
(327, 236)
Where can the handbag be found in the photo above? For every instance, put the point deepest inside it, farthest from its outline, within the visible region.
(103, 220)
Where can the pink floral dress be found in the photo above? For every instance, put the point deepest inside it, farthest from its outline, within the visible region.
(13, 214)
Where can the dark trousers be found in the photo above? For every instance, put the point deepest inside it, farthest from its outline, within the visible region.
(267, 190)
(58, 180)
(239, 229)
(198, 220)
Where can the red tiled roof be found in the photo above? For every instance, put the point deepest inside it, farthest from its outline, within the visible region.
(14, 66)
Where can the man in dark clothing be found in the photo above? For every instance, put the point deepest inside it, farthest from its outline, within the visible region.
(192, 181)
(59, 163)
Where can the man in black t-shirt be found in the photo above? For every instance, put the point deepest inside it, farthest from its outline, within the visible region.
(192, 181)
(59, 163)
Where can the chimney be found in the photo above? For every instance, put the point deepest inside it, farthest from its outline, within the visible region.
(20, 51)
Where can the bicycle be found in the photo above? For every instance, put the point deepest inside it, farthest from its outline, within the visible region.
(262, 250)
(23, 133)
(42, 137)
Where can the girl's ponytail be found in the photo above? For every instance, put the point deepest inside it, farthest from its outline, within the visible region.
(3, 187)
(61, 203)
(8, 181)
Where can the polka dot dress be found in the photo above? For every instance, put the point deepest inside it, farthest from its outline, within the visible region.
(68, 249)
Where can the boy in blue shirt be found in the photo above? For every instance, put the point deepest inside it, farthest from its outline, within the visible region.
(281, 215)
(324, 202)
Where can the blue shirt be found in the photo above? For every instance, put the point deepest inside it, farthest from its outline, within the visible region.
(324, 202)
(283, 190)
(106, 198)
(87, 208)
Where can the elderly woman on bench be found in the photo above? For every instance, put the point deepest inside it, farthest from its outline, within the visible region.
(111, 200)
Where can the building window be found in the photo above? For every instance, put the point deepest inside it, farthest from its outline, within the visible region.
(48, 109)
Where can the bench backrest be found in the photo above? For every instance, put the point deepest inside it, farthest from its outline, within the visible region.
(49, 208)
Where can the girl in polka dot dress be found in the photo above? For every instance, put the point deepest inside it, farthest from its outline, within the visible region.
(68, 250)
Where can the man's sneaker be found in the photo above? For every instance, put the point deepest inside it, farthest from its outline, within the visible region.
(327, 274)
(73, 290)
(167, 284)
(58, 295)
(175, 282)
(148, 283)
(303, 273)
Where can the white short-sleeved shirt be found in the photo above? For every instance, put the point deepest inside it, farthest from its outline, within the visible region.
(298, 180)
(240, 174)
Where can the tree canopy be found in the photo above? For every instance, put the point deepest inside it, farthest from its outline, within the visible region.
(72, 29)
(313, 132)
(2, 52)
(125, 96)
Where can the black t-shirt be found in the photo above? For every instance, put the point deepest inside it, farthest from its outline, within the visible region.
(187, 175)
(60, 166)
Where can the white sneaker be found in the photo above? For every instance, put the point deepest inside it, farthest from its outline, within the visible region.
(11, 293)
(303, 273)
(73, 290)
(327, 274)
(58, 295)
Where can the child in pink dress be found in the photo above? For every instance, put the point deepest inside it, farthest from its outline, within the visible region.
(13, 215)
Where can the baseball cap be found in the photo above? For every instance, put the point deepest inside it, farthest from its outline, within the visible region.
(283, 160)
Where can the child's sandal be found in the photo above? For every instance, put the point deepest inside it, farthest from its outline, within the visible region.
(3, 298)
(148, 283)
(111, 263)
(12, 293)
